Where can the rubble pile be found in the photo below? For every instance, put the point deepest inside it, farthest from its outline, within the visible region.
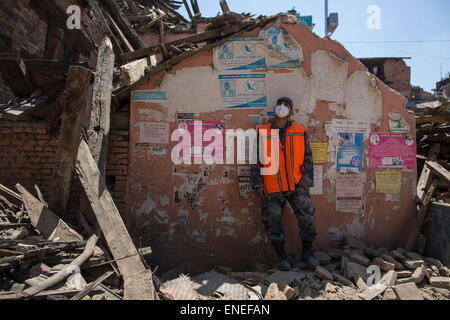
(342, 275)
(42, 257)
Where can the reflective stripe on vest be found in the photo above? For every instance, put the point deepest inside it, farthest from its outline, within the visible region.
(290, 161)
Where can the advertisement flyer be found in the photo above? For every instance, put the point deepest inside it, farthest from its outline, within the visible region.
(350, 126)
(389, 181)
(349, 192)
(397, 123)
(317, 190)
(282, 51)
(197, 130)
(392, 151)
(350, 153)
(245, 53)
(320, 152)
(154, 132)
(243, 91)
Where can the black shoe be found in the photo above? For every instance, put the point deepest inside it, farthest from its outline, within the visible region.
(284, 265)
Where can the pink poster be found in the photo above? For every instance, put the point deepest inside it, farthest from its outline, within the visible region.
(392, 150)
(197, 131)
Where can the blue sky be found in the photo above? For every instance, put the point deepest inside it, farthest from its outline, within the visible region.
(401, 20)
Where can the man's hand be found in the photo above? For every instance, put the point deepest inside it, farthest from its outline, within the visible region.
(305, 185)
(260, 192)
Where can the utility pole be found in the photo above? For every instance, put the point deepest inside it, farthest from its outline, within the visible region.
(326, 18)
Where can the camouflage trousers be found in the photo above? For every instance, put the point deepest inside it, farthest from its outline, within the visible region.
(272, 213)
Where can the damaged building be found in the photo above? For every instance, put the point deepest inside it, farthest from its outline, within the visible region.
(88, 121)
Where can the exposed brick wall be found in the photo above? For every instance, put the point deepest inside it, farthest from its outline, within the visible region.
(20, 23)
(117, 167)
(27, 155)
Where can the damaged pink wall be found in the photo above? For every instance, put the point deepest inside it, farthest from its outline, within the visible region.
(194, 214)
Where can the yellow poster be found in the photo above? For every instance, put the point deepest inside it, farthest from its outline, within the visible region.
(320, 152)
(389, 181)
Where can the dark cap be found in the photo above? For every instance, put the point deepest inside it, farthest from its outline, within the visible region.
(286, 99)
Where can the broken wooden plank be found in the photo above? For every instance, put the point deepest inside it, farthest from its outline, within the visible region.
(426, 177)
(77, 88)
(53, 67)
(124, 24)
(421, 217)
(10, 193)
(188, 9)
(137, 279)
(126, 44)
(63, 274)
(438, 170)
(15, 74)
(92, 286)
(53, 44)
(45, 220)
(224, 6)
(99, 127)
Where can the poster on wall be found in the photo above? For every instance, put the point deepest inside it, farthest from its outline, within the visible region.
(318, 181)
(349, 192)
(197, 131)
(244, 53)
(350, 126)
(282, 51)
(320, 152)
(350, 153)
(148, 96)
(392, 151)
(242, 91)
(245, 186)
(397, 123)
(388, 181)
(153, 132)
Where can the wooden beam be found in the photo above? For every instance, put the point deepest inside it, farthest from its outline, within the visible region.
(438, 170)
(421, 217)
(124, 24)
(426, 177)
(224, 6)
(138, 283)
(98, 131)
(45, 220)
(53, 67)
(77, 88)
(127, 45)
(188, 9)
(53, 44)
(15, 74)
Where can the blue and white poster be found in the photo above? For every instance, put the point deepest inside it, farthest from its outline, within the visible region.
(350, 152)
(282, 51)
(148, 96)
(242, 91)
(245, 53)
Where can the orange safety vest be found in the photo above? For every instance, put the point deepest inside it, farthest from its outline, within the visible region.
(290, 160)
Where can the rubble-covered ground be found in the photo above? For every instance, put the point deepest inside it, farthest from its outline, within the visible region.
(341, 276)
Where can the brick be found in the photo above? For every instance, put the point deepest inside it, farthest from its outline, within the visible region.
(440, 282)
(390, 294)
(406, 280)
(339, 278)
(360, 260)
(361, 284)
(413, 256)
(335, 253)
(408, 291)
(323, 273)
(354, 270)
(383, 264)
(404, 274)
(322, 257)
(371, 252)
(289, 293)
(389, 279)
(273, 293)
(418, 275)
(373, 291)
(413, 264)
(390, 259)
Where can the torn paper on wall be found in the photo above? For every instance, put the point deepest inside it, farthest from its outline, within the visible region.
(350, 126)
(148, 96)
(318, 181)
(244, 182)
(397, 123)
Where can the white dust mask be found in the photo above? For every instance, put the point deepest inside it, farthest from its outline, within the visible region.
(282, 111)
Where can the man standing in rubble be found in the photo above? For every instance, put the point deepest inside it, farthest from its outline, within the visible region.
(287, 143)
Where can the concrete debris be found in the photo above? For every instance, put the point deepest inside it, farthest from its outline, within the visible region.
(408, 291)
(390, 294)
(440, 282)
(273, 293)
(389, 279)
(323, 274)
(383, 264)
